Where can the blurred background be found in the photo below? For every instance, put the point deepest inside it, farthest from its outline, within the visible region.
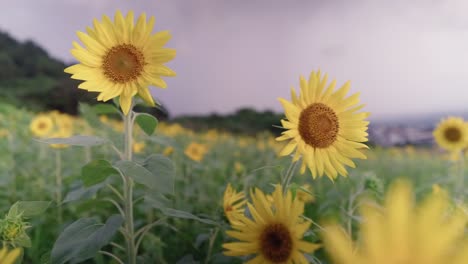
(408, 59)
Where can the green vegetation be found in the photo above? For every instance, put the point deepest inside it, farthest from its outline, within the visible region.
(28, 171)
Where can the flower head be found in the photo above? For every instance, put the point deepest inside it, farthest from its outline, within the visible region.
(41, 126)
(451, 134)
(401, 233)
(122, 58)
(138, 147)
(274, 233)
(324, 127)
(233, 203)
(196, 151)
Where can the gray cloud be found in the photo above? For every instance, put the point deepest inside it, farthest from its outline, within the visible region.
(403, 56)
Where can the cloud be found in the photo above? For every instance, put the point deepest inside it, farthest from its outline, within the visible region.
(403, 56)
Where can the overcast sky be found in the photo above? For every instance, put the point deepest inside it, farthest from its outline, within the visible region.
(403, 56)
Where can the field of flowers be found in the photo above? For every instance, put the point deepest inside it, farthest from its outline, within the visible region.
(117, 186)
(204, 162)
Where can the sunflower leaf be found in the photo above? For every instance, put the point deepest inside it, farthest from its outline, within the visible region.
(28, 208)
(103, 109)
(146, 122)
(75, 141)
(96, 172)
(83, 239)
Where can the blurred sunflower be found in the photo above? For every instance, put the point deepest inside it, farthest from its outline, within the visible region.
(451, 134)
(138, 147)
(122, 58)
(324, 127)
(168, 151)
(41, 126)
(233, 204)
(9, 256)
(196, 151)
(401, 233)
(275, 232)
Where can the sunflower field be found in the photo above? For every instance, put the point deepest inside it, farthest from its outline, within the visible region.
(113, 185)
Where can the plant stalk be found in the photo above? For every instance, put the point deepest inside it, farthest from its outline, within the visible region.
(128, 190)
(58, 184)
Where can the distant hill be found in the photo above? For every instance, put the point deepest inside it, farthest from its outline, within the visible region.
(30, 78)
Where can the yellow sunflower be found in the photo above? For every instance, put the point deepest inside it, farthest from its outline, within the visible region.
(196, 151)
(324, 127)
(138, 147)
(451, 134)
(9, 257)
(233, 203)
(401, 233)
(274, 233)
(41, 126)
(122, 58)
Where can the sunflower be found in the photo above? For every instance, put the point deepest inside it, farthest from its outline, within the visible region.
(122, 58)
(401, 233)
(451, 134)
(9, 257)
(41, 125)
(233, 203)
(274, 234)
(138, 147)
(324, 127)
(196, 151)
(168, 151)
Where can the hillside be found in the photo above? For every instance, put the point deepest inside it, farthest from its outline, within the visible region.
(30, 78)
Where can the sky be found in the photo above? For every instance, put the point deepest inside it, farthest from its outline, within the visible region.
(405, 57)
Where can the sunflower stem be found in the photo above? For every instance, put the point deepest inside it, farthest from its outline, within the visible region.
(128, 190)
(288, 176)
(211, 244)
(58, 184)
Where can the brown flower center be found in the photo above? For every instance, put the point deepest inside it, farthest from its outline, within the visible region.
(42, 125)
(276, 243)
(318, 125)
(123, 63)
(452, 134)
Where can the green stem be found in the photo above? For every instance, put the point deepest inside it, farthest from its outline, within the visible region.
(128, 190)
(210, 246)
(58, 184)
(288, 176)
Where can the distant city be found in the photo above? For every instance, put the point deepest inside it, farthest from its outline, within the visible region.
(408, 130)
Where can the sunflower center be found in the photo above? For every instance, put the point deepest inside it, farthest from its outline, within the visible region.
(276, 243)
(318, 125)
(452, 134)
(42, 125)
(123, 63)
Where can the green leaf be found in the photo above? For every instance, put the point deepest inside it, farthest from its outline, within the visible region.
(163, 170)
(138, 173)
(75, 141)
(82, 193)
(157, 200)
(103, 109)
(83, 239)
(186, 215)
(96, 172)
(28, 208)
(146, 122)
